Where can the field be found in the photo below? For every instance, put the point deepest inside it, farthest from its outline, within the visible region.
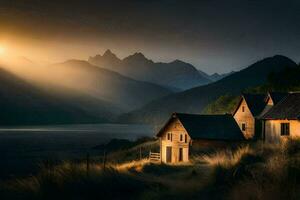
(252, 171)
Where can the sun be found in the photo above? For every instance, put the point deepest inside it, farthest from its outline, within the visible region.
(2, 50)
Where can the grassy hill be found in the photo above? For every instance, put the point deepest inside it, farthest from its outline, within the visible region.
(248, 171)
(196, 99)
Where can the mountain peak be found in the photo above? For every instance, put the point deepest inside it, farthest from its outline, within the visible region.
(177, 61)
(108, 58)
(137, 57)
(108, 53)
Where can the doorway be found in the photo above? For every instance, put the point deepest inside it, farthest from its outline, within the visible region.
(169, 154)
(180, 154)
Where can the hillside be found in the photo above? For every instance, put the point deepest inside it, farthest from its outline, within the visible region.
(22, 103)
(285, 80)
(196, 99)
(176, 75)
(121, 91)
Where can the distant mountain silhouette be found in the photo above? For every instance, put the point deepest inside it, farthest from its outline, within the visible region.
(22, 103)
(176, 75)
(121, 91)
(217, 76)
(195, 99)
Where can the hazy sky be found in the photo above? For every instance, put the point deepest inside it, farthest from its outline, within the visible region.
(214, 35)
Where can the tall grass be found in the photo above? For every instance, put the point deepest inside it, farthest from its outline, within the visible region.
(227, 158)
(248, 172)
(256, 172)
(73, 181)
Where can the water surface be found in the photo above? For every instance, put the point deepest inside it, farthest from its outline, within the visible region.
(23, 148)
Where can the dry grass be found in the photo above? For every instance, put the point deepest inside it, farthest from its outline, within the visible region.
(136, 165)
(227, 158)
(248, 172)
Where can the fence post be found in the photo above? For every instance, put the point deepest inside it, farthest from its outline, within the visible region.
(140, 153)
(87, 163)
(104, 160)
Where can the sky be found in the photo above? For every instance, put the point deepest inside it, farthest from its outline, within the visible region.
(213, 35)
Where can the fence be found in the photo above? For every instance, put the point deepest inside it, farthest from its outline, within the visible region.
(154, 157)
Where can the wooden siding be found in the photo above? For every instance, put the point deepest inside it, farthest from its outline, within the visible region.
(273, 130)
(245, 117)
(176, 129)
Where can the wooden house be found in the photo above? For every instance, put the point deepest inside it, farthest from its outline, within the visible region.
(283, 119)
(272, 98)
(183, 130)
(247, 114)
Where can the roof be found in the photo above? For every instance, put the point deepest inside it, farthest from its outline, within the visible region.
(214, 127)
(287, 108)
(255, 102)
(277, 96)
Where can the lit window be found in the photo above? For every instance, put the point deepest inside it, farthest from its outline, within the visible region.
(285, 129)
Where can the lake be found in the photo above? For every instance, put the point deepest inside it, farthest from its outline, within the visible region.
(22, 149)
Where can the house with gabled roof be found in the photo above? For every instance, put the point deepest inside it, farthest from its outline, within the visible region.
(271, 117)
(272, 98)
(247, 114)
(183, 130)
(283, 119)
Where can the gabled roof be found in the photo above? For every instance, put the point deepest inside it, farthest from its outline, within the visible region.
(277, 96)
(287, 108)
(212, 127)
(255, 102)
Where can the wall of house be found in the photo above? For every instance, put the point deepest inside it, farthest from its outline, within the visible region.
(273, 130)
(269, 105)
(176, 129)
(245, 117)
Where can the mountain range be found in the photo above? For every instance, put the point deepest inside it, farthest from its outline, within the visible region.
(194, 100)
(121, 91)
(176, 75)
(77, 91)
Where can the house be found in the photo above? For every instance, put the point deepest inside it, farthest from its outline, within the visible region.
(283, 119)
(184, 130)
(247, 114)
(272, 98)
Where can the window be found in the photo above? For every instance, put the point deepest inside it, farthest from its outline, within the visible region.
(243, 126)
(285, 129)
(169, 136)
(243, 108)
(181, 138)
(185, 138)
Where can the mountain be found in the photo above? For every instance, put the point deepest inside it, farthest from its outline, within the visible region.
(121, 91)
(195, 99)
(217, 76)
(22, 103)
(176, 75)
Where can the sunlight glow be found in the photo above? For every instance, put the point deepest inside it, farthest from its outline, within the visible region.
(2, 50)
